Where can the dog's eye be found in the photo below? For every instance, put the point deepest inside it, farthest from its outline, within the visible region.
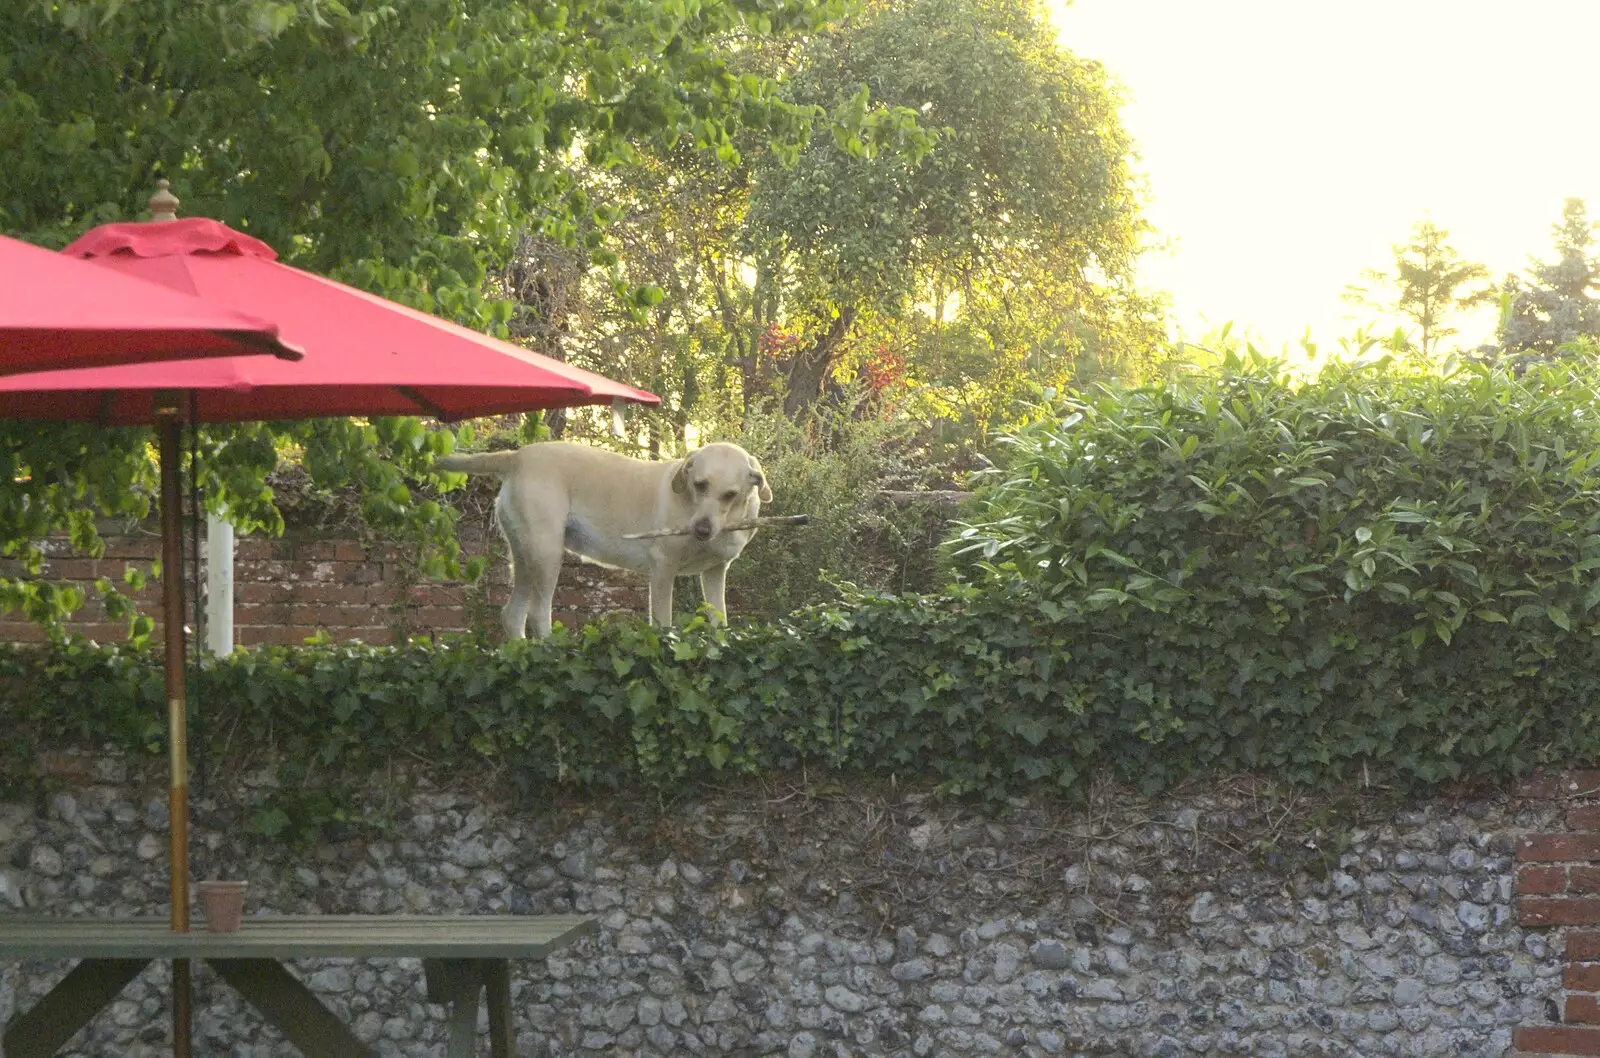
(729, 497)
(701, 486)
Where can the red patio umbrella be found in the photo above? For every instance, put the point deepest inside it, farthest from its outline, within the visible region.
(60, 313)
(363, 356)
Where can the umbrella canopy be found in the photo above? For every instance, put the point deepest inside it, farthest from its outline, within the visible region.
(58, 313)
(364, 355)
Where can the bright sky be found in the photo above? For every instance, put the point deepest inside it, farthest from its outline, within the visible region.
(1287, 145)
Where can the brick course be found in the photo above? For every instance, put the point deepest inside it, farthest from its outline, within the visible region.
(1558, 1040)
(306, 582)
(1556, 881)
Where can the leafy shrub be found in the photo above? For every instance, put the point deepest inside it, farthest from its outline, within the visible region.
(1370, 568)
(830, 463)
(1368, 577)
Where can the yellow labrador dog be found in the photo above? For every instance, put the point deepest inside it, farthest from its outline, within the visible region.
(557, 496)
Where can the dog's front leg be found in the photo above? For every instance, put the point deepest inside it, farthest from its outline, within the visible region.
(661, 596)
(714, 586)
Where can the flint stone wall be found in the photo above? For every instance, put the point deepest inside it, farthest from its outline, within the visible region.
(780, 922)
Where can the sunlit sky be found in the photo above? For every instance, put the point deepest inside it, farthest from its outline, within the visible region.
(1287, 145)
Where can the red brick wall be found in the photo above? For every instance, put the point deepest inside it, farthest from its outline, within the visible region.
(288, 588)
(1558, 887)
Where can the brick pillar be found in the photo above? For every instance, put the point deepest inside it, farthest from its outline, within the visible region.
(1558, 886)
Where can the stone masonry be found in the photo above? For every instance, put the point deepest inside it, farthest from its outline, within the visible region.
(784, 920)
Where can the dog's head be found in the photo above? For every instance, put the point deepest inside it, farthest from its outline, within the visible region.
(718, 480)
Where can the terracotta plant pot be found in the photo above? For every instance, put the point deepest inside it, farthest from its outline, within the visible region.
(222, 904)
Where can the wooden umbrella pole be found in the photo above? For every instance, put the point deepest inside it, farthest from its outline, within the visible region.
(164, 207)
(169, 437)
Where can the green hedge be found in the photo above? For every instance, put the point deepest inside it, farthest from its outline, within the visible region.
(1376, 568)
(1371, 578)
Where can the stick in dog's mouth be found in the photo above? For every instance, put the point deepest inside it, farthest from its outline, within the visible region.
(754, 523)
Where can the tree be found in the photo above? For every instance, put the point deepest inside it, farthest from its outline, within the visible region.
(1430, 284)
(991, 350)
(401, 144)
(677, 213)
(409, 149)
(1557, 305)
(1031, 175)
(746, 305)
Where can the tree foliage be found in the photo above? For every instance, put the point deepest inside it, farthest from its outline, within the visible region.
(1557, 305)
(1431, 283)
(391, 135)
(992, 264)
(1027, 195)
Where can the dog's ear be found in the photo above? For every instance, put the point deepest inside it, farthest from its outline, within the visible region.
(680, 479)
(758, 478)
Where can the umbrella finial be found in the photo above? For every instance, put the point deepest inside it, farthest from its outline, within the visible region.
(163, 204)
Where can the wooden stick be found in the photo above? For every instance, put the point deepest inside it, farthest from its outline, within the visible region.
(754, 523)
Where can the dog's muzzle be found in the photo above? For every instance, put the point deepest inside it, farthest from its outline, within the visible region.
(702, 529)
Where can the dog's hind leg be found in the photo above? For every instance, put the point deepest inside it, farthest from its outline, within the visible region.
(543, 572)
(535, 567)
(532, 580)
(514, 614)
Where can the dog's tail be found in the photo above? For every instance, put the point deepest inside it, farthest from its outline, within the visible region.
(497, 463)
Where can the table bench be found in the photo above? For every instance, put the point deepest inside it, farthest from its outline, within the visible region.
(463, 956)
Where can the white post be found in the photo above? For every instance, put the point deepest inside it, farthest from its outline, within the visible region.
(219, 584)
(616, 417)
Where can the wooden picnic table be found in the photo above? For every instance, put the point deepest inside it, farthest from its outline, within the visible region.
(462, 956)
